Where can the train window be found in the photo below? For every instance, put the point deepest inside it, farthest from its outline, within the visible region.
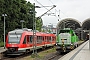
(31, 38)
(49, 39)
(14, 37)
(27, 38)
(64, 31)
(42, 38)
(39, 39)
(72, 34)
(53, 38)
(45, 38)
(24, 42)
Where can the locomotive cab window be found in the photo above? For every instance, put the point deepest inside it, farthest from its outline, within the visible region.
(64, 31)
(14, 37)
(24, 42)
(27, 39)
(72, 34)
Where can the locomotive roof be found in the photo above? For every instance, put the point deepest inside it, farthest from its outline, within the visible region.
(20, 30)
(30, 32)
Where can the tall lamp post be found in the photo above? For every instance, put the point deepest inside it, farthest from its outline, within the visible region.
(22, 23)
(4, 15)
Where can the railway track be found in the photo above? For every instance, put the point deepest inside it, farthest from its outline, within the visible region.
(52, 56)
(55, 57)
(3, 57)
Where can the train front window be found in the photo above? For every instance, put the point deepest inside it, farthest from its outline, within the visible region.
(64, 31)
(14, 38)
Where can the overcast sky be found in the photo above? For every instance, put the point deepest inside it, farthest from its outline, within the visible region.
(76, 9)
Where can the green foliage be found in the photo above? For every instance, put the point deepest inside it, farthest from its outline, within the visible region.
(16, 10)
(49, 31)
(39, 24)
(1, 44)
(43, 30)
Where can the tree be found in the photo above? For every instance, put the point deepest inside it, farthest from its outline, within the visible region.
(17, 10)
(39, 24)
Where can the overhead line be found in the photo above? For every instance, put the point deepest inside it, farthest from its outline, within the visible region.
(59, 10)
(51, 2)
(64, 13)
(42, 5)
(48, 9)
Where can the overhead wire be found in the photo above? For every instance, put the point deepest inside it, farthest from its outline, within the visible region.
(51, 2)
(41, 5)
(64, 13)
(59, 10)
(55, 9)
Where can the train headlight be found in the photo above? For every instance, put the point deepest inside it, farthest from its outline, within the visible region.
(71, 44)
(56, 43)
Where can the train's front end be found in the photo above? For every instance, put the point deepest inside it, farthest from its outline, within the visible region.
(13, 42)
(63, 42)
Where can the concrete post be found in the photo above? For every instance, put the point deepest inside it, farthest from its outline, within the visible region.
(89, 40)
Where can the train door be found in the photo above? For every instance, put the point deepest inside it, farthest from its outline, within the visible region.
(51, 39)
(27, 41)
(24, 42)
(39, 40)
(45, 39)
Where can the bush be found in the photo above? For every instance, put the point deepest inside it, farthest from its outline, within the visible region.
(1, 43)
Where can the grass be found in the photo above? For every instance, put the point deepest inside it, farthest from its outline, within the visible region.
(1, 44)
(40, 56)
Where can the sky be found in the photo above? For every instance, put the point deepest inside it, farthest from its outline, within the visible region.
(76, 9)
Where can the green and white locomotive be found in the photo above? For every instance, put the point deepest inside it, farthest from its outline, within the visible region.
(67, 40)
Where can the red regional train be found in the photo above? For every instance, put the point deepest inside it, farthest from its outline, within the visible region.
(21, 41)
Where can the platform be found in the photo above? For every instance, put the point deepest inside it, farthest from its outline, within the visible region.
(2, 49)
(80, 53)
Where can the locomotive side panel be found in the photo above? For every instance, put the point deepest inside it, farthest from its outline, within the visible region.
(20, 41)
(66, 40)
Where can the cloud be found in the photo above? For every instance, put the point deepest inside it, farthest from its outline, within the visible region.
(77, 9)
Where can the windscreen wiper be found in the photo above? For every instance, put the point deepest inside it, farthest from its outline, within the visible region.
(16, 34)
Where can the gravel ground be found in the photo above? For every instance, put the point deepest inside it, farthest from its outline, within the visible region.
(48, 56)
(44, 55)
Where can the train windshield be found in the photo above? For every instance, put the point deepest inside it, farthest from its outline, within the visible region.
(64, 31)
(14, 37)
